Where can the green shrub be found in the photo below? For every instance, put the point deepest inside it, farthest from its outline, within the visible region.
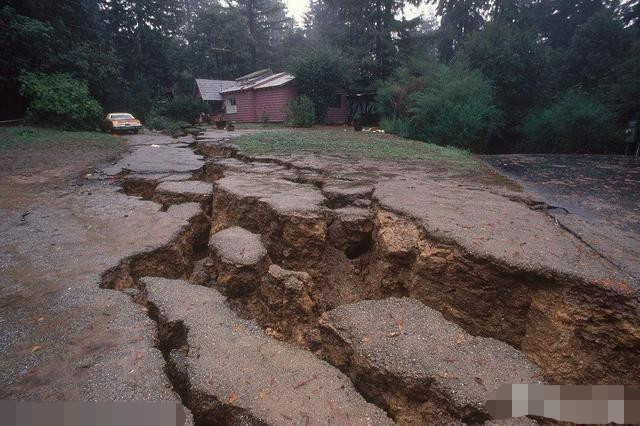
(300, 112)
(319, 74)
(398, 126)
(577, 123)
(156, 121)
(183, 108)
(457, 108)
(392, 96)
(264, 118)
(60, 101)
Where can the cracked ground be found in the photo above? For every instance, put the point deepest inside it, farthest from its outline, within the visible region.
(303, 289)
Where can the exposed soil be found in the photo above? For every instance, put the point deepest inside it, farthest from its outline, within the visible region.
(288, 241)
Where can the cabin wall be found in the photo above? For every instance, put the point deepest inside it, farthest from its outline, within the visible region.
(273, 101)
(245, 103)
(252, 103)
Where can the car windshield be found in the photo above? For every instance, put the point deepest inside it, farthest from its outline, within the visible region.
(121, 116)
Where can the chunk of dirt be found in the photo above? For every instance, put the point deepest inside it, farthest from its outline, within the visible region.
(231, 363)
(432, 370)
(177, 192)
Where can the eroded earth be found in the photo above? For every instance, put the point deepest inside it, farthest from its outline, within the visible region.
(306, 289)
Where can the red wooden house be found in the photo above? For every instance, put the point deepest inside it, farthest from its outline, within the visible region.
(263, 94)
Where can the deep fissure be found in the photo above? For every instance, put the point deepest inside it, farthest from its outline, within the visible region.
(361, 261)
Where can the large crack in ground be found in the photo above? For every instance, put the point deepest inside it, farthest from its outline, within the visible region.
(351, 250)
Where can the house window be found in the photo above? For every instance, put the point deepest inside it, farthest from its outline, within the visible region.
(337, 101)
(231, 105)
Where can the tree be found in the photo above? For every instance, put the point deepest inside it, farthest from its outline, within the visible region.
(60, 101)
(319, 73)
(217, 44)
(596, 48)
(393, 95)
(623, 90)
(457, 107)
(577, 122)
(369, 32)
(558, 20)
(520, 68)
(300, 112)
(459, 19)
(266, 22)
(18, 35)
(144, 32)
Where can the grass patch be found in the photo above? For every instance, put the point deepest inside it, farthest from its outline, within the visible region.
(252, 126)
(24, 137)
(336, 141)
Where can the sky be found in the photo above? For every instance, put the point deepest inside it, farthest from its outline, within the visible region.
(298, 8)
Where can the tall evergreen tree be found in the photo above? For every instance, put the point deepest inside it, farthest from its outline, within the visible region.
(458, 20)
(366, 31)
(267, 23)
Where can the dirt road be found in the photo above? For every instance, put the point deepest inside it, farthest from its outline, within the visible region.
(62, 337)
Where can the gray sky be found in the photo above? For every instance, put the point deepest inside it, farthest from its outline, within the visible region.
(297, 8)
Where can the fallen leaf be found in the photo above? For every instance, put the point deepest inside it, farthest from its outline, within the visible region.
(36, 348)
(365, 339)
(460, 338)
(232, 398)
(261, 393)
(304, 382)
(479, 381)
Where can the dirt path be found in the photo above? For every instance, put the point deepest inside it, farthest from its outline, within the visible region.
(63, 338)
(266, 252)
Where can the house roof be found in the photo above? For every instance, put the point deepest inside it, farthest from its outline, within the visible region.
(255, 74)
(210, 89)
(271, 80)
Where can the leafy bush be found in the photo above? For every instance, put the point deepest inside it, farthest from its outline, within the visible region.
(300, 112)
(156, 121)
(183, 108)
(456, 108)
(393, 94)
(577, 123)
(60, 101)
(319, 73)
(398, 126)
(264, 118)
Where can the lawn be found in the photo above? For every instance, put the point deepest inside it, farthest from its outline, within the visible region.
(259, 125)
(25, 137)
(32, 150)
(337, 141)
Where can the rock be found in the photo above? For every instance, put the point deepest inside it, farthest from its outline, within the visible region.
(408, 357)
(233, 373)
(177, 192)
(239, 260)
(343, 193)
